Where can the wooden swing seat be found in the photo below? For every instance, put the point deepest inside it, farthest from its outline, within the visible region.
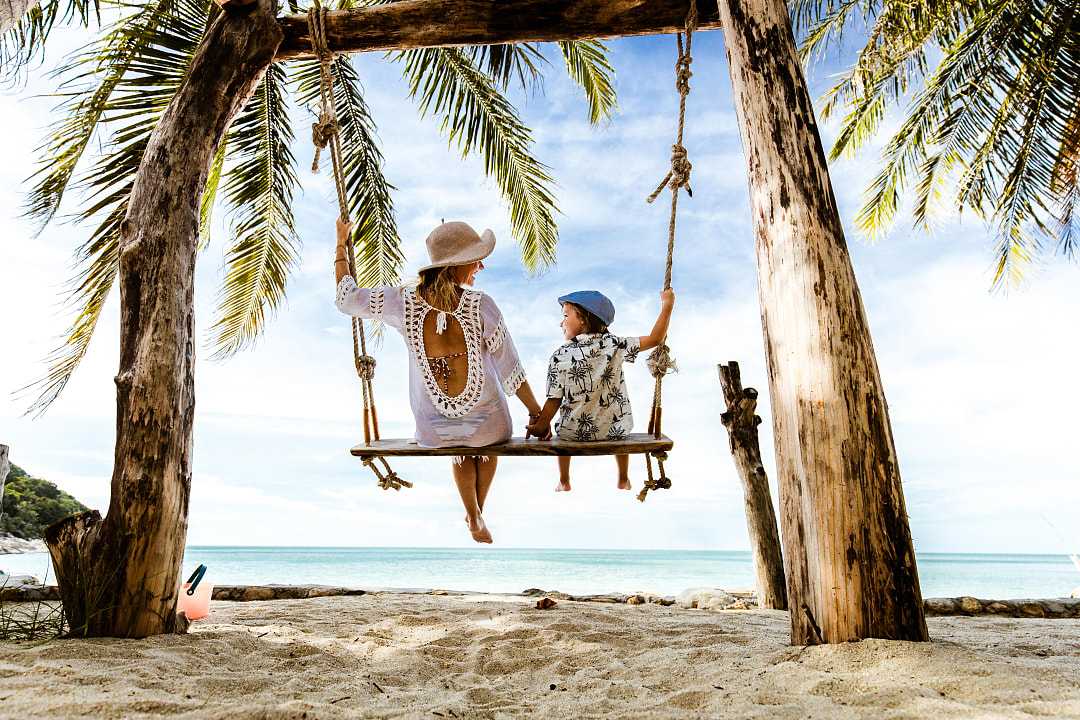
(633, 444)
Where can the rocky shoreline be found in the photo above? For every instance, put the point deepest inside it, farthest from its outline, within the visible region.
(11, 545)
(698, 598)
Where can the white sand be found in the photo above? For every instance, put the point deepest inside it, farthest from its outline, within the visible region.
(426, 656)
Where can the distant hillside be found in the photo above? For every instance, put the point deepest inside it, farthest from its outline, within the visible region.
(32, 504)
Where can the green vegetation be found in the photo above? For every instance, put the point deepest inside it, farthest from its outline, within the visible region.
(989, 93)
(32, 504)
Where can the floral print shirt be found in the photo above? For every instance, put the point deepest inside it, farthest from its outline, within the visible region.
(586, 375)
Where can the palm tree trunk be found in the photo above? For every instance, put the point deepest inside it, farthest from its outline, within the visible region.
(850, 562)
(119, 576)
(12, 11)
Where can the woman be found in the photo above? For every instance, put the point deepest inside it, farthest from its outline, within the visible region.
(462, 357)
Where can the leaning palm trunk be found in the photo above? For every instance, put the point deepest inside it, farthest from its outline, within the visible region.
(850, 563)
(119, 576)
(12, 11)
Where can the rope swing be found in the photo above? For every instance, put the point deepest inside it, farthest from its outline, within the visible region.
(325, 132)
(660, 361)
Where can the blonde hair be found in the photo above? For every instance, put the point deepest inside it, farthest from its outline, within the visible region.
(439, 288)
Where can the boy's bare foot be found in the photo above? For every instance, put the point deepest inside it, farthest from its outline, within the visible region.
(563, 486)
(479, 530)
(624, 484)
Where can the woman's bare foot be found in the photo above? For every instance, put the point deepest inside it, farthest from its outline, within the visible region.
(624, 484)
(563, 486)
(479, 530)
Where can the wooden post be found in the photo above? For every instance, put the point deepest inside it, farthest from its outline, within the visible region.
(119, 575)
(847, 547)
(741, 424)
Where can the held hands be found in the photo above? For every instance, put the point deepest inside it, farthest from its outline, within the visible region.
(538, 429)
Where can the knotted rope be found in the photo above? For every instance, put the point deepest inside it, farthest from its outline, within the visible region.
(660, 361)
(325, 133)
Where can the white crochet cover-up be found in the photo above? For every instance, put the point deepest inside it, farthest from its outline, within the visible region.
(479, 415)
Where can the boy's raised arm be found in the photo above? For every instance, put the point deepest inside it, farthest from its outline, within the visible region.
(659, 331)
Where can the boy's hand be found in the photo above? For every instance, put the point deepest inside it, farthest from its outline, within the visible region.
(667, 298)
(344, 229)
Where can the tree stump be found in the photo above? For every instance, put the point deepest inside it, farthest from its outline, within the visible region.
(741, 424)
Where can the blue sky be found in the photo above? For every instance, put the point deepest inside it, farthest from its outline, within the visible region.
(981, 386)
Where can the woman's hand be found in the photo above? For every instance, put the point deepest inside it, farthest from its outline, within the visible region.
(344, 230)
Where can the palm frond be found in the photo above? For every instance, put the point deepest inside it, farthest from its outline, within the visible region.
(505, 63)
(259, 190)
(1066, 185)
(27, 27)
(137, 99)
(993, 115)
(209, 196)
(378, 245)
(588, 65)
(106, 61)
(99, 262)
(480, 119)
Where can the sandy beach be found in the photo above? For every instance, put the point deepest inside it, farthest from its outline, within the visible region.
(483, 656)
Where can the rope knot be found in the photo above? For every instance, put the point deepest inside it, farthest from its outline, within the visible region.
(365, 367)
(683, 73)
(679, 174)
(322, 132)
(680, 169)
(661, 362)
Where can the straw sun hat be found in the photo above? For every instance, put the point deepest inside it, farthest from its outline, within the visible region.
(456, 243)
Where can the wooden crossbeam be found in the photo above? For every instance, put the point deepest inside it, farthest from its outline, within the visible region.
(450, 23)
(633, 444)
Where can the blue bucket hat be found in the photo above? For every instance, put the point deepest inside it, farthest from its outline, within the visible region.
(593, 301)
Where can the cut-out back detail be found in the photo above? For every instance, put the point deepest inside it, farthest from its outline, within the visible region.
(467, 315)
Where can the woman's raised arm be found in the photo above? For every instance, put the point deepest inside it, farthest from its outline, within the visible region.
(341, 256)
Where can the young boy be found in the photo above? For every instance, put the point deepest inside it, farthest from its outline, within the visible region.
(585, 380)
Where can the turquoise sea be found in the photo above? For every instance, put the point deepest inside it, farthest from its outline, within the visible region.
(580, 571)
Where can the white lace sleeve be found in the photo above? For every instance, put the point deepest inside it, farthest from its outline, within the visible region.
(499, 344)
(381, 303)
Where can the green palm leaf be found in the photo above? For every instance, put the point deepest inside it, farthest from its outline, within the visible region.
(131, 102)
(475, 115)
(209, 196)
(259, 190)
(505, 63)
(23, 39)
(378, 246)
(84, 107)
(993, 116)
(588, 65)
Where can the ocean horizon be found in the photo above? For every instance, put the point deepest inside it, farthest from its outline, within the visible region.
(578, 571)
